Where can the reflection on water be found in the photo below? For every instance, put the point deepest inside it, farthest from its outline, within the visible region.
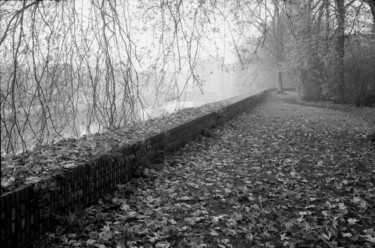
(81, 127)
(90, 129)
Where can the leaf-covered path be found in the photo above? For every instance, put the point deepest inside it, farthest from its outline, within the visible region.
(283, 175)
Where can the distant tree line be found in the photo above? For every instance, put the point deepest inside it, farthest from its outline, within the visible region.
(328, 45)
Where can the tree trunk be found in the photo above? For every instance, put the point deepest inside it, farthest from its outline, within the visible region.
(371, 3)
(280, 88)
(279, 33)
(340, 50)
(327, 27)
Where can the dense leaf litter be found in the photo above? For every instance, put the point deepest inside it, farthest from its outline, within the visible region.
(46, 160)
(283, 175)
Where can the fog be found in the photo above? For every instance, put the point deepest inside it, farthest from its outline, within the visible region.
(216, 83)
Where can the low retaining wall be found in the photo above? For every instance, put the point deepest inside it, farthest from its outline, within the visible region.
(27, 212)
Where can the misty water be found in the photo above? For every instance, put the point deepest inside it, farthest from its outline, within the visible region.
(142, 115)
(218, 85)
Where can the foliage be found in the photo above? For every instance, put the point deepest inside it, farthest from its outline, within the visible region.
(303, 40)
(359, 64)
(319, 58)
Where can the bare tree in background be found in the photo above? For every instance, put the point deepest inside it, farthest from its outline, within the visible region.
(93, 63)
(71, 61)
